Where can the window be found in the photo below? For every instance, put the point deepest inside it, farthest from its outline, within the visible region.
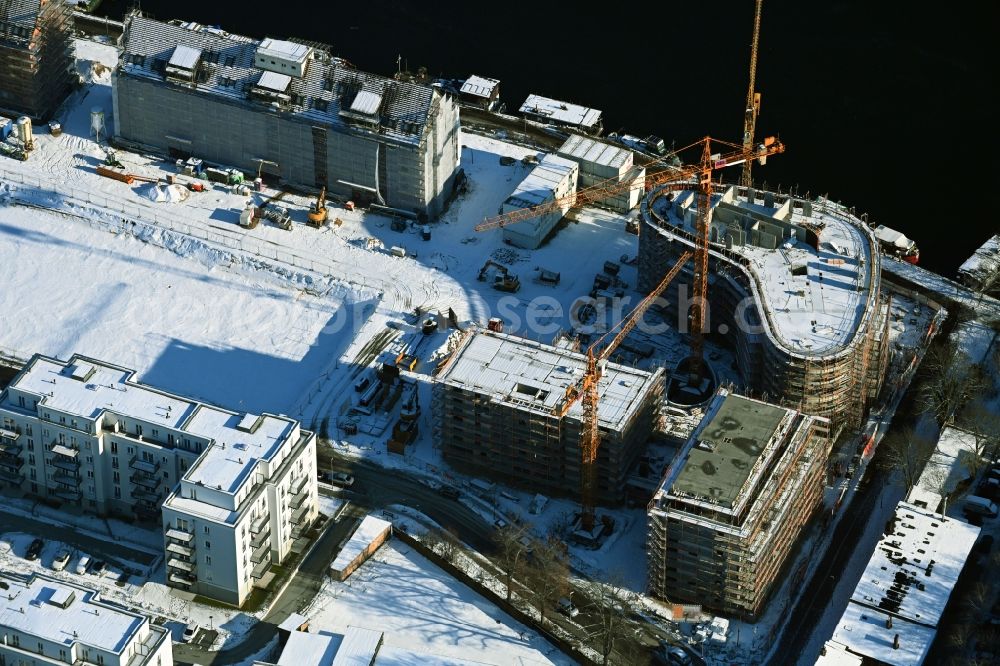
(208, 559)
(208, 545)
(114, 447)
(31, 459)
(138, 430)
(230, 61)
(27, 428)
(20, 400)
(90, 473)
(114, 462)
(32, 473)
(118, 492)
(205, 529)
(62, 419)
(117, 477)
(156, 433)
(73, 423)
(31, 445)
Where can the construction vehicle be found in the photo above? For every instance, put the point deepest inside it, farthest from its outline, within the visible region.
(586, 390)
(111, 158)
(503, 279)
(317, 210)
(13, 151)
(753, 100)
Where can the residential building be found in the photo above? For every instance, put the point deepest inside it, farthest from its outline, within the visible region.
(733, 502)
(36, 56)
(287, 109)
(796, 293)
(498, 413)
(44, 620)
(86, 433)
(553, 179)
(555, 112)
(481, 92)
(894, 612)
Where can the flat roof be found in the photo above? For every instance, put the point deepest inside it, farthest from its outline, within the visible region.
(914, 569)
(479, 86)
(185, 57)
(306, 649)
(734, 434)
(949, 465)
(88, 387)
(985, 260)
(535, 376)
(586, 149)
(563, 112)
(391, 655)
(370, 529)
(540, 183)
(274, 81)
(863, 631)
(402, 119)
(814, 299)
(358, 647)
(86, 620)
(836, 654)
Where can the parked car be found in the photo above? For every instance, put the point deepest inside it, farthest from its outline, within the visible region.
(566, 607)
(671, 655)
(190, 631)
(82, 565)
(341, 479)
(61, 560)
(451, 492)
(35, 549)
(500, 523)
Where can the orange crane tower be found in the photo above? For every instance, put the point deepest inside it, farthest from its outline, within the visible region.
(753, 99)
(590, 434)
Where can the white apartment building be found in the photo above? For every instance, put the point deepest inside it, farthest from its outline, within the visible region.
(46, 621)
(236, 490)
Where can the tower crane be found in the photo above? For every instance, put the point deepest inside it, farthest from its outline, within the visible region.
(753, 99)
(586, 391)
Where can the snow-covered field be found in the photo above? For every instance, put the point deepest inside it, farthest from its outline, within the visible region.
(420, 607)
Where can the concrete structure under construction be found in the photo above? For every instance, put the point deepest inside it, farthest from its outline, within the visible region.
(36, 56)
(496, 404)
(553, 178)
(602, 163)
(288, 109)
(44, 620)
(732, 503)
(242, 487)
(795, 291)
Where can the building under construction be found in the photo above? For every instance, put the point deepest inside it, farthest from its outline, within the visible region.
(733, 502)
(36, 56)
(795, 292)
(287, 109)
(496, 404)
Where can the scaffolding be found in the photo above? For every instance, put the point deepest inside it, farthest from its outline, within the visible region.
(36, 58)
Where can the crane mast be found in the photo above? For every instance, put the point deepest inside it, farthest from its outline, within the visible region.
(753, 99)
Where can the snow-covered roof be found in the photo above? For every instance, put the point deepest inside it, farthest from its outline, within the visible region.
(358, 647)
(20, 16)
(984, 261)
(562, 112)
(864, 632)
(87, 388)
(585, 149)
(279, 48)
(948, 466)
(305, 649)
(370, 529)
(328, 84)
(391, 655)
(892, 237)
(66, 614)
(540, 183)
(836, 654)
(274, 81)
(479, 86)
(813, 300)
(366, 102)
(535, 376)
(913, 570)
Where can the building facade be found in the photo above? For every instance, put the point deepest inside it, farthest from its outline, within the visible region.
(795, 293)
(44, 620)
(602, 163)
(36, 56)
(497, 414)
(85, 433)
(288, 110)
(733, 502)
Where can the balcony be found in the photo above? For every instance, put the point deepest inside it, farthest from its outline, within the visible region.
(261, 553)
(299, 515)
(65, 451)
(70, 464)
(8, 435)
(258, 525)
(11, 477)
(147, 510)
(144, 466)
(298, 484)
(8, 447)
(179, 535)
(258, 571)
(12, 463)
(180, 579)
(258, 539)
(298, 500)
(178, 549)
(66, 494)
(67, 479)
(139, 479)
(177, 563)
(140, 493)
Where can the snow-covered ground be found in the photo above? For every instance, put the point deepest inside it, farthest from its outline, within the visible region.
(420, 607)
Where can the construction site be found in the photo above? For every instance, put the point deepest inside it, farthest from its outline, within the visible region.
(732, 503)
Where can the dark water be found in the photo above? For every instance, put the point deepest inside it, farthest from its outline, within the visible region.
(885, 106)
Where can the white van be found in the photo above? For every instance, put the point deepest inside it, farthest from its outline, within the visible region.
(980, 506)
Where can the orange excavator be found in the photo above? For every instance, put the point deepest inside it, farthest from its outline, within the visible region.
(317, 210)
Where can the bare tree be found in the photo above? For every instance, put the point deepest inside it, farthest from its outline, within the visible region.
(905, 452)
(979, 599)
(547, 574)
(610, 603)
(984, 425)
(444, 541)
(512, 547)
(950, 382)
